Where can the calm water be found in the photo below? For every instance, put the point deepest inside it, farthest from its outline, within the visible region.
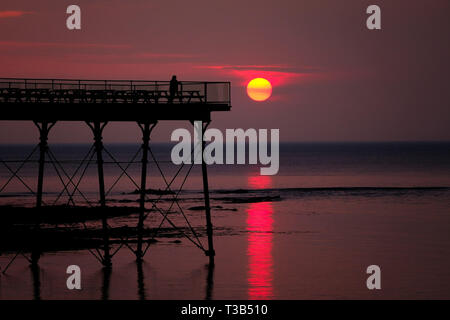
(341, 208)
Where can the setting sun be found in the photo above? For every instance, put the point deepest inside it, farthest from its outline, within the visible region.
(259, 89)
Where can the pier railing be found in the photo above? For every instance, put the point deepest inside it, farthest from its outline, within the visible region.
(13, 90)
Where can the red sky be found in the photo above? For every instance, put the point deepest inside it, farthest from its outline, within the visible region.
(333, 80)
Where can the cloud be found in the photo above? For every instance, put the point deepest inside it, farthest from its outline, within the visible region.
(279, 68)
(278, 75)
(21, 44)
(164, 56)
(13, 13)
(88, 51)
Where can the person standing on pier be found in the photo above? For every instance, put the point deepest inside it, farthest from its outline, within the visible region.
(173, 90)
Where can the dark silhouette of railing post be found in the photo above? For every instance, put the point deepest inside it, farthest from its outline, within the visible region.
(209, 228)
(146, 128)
(97, 129)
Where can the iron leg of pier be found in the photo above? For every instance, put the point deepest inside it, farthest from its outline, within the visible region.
(97, 128)
(209, 228)
(43, 145)
(44, 128)
(146, 128)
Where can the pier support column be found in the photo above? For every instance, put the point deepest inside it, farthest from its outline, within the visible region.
(97, 129)
(146, 128)
(209, 228)
(44, 129)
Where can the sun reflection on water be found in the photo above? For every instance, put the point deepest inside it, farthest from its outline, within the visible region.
(259, 251)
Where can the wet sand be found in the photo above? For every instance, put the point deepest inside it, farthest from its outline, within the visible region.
(311, 248)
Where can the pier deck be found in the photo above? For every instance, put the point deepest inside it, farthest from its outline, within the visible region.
(110, 100)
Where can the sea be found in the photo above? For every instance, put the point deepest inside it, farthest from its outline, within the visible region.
(309, 232)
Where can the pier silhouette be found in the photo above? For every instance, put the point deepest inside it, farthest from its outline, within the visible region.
(46, 102)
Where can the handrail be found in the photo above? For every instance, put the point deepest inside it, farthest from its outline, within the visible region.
(103, 80)
(211, 91)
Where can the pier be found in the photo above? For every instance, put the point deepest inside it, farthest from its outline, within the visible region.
(97, 103)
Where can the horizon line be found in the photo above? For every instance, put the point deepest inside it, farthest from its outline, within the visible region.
(281, 142)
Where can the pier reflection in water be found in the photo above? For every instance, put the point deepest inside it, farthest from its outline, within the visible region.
(106, 282)
(141, 290)
(140, 280)
(36, 280)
